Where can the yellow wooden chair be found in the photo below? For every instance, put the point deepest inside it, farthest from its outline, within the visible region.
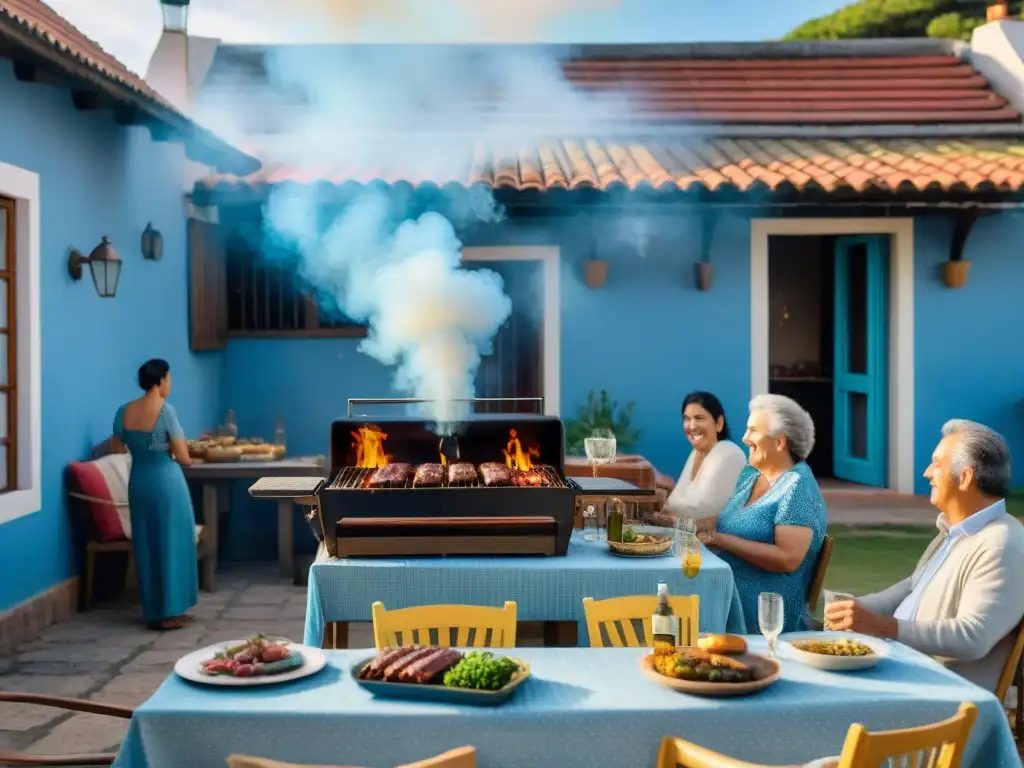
(1010, 671)
(617, 615)
(463, 757)
(494, 627)
(945, 741)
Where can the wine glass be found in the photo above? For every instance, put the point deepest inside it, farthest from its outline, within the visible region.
(600, 448)
(770, 618)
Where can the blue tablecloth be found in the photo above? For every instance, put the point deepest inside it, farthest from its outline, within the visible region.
(584, 707)
(544, 588)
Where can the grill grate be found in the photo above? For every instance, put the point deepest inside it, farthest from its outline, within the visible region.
(358, 478)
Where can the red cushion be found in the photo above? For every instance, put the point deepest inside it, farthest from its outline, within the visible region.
(87, 479)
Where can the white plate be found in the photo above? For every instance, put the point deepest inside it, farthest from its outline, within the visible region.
(313, 660)
(835, 663)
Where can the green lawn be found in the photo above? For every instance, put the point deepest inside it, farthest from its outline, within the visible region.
(868, 559)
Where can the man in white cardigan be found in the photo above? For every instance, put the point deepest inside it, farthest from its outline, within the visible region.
(964, 600)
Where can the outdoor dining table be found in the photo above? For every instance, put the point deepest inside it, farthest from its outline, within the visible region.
(582, 707)
(545, 589)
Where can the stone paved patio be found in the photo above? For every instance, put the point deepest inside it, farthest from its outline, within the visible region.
(109, 656)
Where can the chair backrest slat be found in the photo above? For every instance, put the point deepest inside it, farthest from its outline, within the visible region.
(617, 615)
(475, 626)
(820, 570)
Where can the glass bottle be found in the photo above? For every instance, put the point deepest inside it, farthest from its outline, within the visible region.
(664, 624)
(616, 516)
(230, 425)
(279, 435)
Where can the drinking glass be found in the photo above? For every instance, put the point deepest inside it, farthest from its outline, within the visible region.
(684, 528)
(770, 618)
(600, 448)
(692, 558)
(833, 597)
(590, 532)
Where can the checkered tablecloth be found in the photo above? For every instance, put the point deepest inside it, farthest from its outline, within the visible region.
(582, 708)
(544, 588)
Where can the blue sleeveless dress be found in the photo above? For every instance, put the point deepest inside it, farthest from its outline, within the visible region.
(163, 521)
(795, 499)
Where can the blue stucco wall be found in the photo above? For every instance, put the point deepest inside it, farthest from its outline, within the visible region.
(969, 342)
(96, 178)
(650, 336)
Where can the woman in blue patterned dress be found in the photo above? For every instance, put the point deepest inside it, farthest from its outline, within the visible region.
(771, 530)
(163, 522)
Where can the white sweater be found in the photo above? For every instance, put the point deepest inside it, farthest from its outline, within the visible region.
(707, 494)
(969, 612)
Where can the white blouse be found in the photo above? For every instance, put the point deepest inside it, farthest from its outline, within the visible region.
(707, 494)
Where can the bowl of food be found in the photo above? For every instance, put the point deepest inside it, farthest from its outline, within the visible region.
(835, 651)
(697, 671)
(640, 543)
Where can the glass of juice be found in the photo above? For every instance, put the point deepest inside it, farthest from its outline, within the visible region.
(692, 558)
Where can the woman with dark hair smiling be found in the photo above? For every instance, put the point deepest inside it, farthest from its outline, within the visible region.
(714, 464)
(163, 522)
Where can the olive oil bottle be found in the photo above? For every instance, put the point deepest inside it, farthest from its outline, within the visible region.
(615, 520)
(664, 624)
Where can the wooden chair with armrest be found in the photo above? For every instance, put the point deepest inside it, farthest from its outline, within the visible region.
(462, 757)
(939, 745)
(1014, 671)
(617, 614)
(818, 581)
(72, 705)
(494, 627)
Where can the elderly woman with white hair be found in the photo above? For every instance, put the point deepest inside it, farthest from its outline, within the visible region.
(772, 529)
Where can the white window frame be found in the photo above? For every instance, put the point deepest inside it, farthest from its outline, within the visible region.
(23, 186)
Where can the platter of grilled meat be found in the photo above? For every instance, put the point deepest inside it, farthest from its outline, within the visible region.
(458, 475)
(429, 673)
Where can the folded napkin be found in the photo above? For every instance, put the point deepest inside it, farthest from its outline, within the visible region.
(824, 762)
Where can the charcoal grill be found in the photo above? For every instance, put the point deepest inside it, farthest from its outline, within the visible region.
(470, 519)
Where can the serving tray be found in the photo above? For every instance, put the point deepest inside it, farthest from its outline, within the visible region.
(441, 693)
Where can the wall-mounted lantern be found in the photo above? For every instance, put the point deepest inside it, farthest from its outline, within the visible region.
(104, 264)
(152, 243)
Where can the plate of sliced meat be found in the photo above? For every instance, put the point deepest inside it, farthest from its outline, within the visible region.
(428, 673)
(260, 660)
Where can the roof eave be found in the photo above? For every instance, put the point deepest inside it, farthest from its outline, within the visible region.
(201, 145)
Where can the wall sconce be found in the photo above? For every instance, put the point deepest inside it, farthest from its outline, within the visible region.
(152, 243)
(104, 263)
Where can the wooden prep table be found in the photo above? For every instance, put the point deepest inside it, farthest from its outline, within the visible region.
(214, 476)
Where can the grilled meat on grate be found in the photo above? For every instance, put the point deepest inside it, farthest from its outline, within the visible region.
(392, 474)
(494, 473)
(462, 473)
(428, 476)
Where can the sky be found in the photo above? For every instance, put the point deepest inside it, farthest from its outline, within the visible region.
(129, 29)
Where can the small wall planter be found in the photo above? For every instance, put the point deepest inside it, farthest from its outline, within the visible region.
(705, 275)
(595, 273)
(954, 273)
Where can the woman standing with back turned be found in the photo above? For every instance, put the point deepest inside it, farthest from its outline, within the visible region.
(163, 522)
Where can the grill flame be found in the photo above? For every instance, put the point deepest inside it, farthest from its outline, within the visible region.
(369, 445)
(516, 457)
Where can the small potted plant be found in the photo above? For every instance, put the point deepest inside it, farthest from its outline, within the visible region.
(600, 412)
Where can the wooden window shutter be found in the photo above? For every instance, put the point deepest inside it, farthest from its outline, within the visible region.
(209, 306)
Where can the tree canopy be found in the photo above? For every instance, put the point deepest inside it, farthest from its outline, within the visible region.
(899, 18)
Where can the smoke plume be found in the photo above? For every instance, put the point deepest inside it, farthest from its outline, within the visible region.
(418, 113)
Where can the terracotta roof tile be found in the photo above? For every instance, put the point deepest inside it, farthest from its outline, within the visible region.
(835, 91)
(50, 26)
(713, 164)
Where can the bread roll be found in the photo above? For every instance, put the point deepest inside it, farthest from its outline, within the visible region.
(723, 644)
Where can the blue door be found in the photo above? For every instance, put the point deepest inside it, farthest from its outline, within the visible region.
(861, 379)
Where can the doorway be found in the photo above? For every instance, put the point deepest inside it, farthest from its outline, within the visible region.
(828, 346)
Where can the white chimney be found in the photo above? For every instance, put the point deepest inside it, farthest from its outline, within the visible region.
(997, 52)
(168, 68)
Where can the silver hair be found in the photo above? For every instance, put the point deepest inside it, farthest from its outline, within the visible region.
(985, 451)
(787, 419)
